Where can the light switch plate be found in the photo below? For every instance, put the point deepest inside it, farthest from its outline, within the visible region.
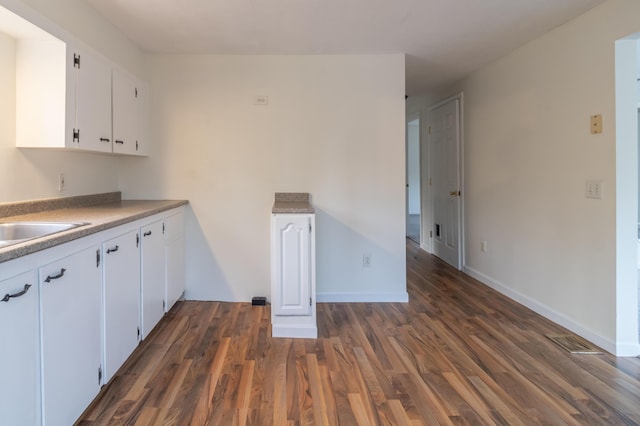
(593, 189)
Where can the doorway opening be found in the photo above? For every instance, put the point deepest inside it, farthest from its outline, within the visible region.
(412, 150)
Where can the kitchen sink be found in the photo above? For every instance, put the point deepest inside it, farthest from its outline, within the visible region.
(18, 232)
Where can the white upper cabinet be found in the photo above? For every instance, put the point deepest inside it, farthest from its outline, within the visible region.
(125, 113)
(142, 105)
(71, 97)
(92, 127)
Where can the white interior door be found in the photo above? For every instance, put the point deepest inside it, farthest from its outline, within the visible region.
(444, 166)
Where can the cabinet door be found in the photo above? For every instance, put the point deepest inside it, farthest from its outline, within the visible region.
(19, 356)
(121, 300)
(70, 332)
(125, 113)
(292, 265)
(153, 276)
(93, 109)
(142, 99)
(174, 258)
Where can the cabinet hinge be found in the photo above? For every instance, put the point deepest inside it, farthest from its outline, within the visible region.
(76, 135)
(163, 227)
(430, 234)
(136, 90)
(76, 60)
(136, 145)
(309, 301)
(97, 258)
(138, 333)
(309, 227)
(164, 305)
(99, 374)
(137, 240)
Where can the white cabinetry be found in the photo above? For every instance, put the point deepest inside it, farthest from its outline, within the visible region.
(19, 360)
(153, 276)
(293, 309)
(174, 257)
(109, 114)
(125, 113)
(70, 333)
(121, 290)
(69, 96)
(92, 128)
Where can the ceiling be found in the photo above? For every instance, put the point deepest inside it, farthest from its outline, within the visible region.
(444, 40)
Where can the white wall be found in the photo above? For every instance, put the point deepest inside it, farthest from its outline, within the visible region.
(33, 173)
(334, 127)
(528, 152)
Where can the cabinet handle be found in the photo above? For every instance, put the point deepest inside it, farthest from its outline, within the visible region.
(111, 250)
(119, 141)
(146, 234)
(105, 140)
(10, 296)
(55, 277)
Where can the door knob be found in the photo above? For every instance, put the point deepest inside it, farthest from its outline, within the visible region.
(454, 193)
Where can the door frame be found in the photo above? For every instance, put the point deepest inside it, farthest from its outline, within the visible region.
(409, 119)
(461, 235)
(626, 196)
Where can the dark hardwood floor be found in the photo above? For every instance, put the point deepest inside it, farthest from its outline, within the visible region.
(457, 353)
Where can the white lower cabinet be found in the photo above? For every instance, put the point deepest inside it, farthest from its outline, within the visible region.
(293, 306)
(69, 325)
(121, 290)
(70, 335)
(174, 257)
(153, 276)
(19, 356)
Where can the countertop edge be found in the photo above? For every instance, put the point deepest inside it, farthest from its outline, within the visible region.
(43, 243)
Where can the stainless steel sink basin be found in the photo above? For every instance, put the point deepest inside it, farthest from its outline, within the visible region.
(18, 232)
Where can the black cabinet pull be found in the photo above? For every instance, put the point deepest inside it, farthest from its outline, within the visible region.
(111, 250)
(8, 296)
(55, 277)
(146, 234)
(119, 141)
(105, 140)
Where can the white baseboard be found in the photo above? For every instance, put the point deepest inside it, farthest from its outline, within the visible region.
(296, 332)
(402, 297)
(629, 349)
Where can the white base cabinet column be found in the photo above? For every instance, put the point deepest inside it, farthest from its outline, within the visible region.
(121, 300)
(174, 258)
(19, 354)
(293, 305)
(153, 276)
(70, 330)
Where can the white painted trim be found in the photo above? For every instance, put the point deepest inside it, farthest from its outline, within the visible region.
(626, 193)
(293, 331)
(628, 349)
(401, 297)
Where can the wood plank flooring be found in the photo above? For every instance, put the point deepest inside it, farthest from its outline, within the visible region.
(457, 353)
